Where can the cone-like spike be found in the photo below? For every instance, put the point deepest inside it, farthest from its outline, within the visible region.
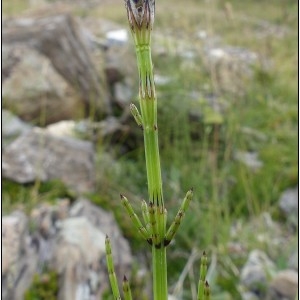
(140, 14)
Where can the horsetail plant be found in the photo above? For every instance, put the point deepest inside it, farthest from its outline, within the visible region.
(140, 15)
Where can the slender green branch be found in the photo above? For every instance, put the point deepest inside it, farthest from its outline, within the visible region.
(206, 291)
(203, 287)
(111, 270)
(137, 116)
(126, 289)
(135, 219)
(146, 216)
(178, 218)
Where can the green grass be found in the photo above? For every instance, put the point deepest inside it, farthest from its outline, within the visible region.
(197, 153)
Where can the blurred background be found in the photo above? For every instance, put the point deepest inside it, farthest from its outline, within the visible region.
(226, 78)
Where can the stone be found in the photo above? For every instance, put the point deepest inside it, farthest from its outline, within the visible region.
(19, 256)
(256, 272)
(39, 155)
(283, 286)
(288, 204)
(250, 159)
(106, 223)
(9, 60)
(232, 66)
(58, 37)
(62, 128)
(117, 37)
(249, 296)
(122, 94)
(68, 240)
(78, 252)
(293, 262)
(12, 127)
(36, 92)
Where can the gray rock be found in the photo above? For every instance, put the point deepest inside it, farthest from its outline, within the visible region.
(117, 37)
(288, 203)
(78, 251)
(293, 262)
(232, 67)
(9, 60)
(34, 89)
(122, 94)
(283, 286)
(39, 155)
(209, 108)
(256, 272)
(250, 159)
(61, 48)
(105, 222)
(62, 128)
(18, 256)
(68, 240)
(249, 296)
(12, 127)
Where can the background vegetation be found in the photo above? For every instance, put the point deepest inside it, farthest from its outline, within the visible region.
(262, 118)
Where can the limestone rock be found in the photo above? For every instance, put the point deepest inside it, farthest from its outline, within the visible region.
(12, 127)
(288, 204)
(284, 286)
(35, 90)
(293, 262)
(19, 256)
(58, 37)
(250, 159)
(105, 221)
(69, 240)
(231, 66)
(77, 255)
(257, 271)
(80, 252)
(39, 155)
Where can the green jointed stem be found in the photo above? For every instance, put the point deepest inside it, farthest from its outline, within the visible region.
(141, 17)
(160, 290)
(148, 105)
